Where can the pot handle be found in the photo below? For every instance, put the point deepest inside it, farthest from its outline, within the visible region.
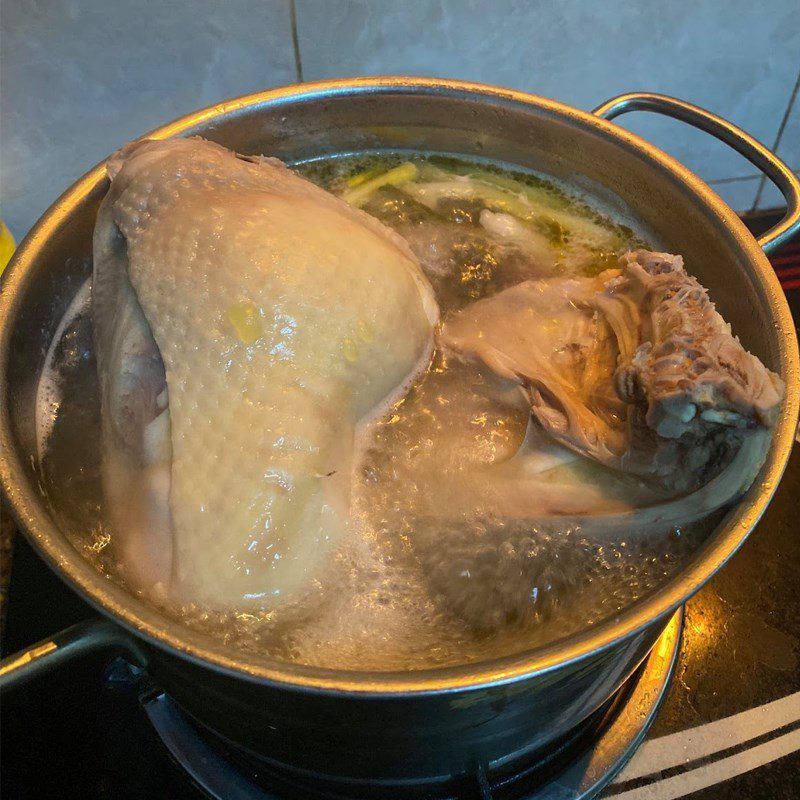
(89, 636)
(743, 143)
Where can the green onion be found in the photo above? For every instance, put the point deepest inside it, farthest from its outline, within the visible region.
(357, 194)
(554, 222)
(544, 195)
(363, 177)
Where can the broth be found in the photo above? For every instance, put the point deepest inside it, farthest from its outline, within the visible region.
(428, 576)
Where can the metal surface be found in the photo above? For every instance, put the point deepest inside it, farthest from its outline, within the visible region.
(86, 637)
(429, 721)
(591, 763)
(744, 144)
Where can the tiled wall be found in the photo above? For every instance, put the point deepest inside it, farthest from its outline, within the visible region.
(78, 78)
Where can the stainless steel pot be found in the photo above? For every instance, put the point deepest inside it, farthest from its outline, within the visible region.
(386, 726)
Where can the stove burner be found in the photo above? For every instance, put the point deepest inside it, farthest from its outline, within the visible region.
(573, 768)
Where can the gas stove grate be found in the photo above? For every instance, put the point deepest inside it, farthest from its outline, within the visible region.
(574, 768)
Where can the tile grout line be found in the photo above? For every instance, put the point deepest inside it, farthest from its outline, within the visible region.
(298, 62)
(778, 137)
(717, 181)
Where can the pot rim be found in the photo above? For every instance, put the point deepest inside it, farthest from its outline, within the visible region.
(146, 622)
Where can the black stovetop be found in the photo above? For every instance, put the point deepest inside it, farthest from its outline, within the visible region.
(729, 728)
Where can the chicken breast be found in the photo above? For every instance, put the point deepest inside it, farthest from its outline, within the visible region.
(245, 321)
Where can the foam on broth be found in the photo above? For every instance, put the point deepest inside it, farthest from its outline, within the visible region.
(410, 587)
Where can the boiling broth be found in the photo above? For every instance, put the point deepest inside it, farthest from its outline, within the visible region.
(428, 576)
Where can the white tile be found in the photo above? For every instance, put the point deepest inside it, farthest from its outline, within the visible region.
(789, 151)
(771, 197)
(738, 194)
(79, 79)
(789, 147)
(739, 59)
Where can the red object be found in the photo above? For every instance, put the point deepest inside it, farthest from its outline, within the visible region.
(786, 263)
